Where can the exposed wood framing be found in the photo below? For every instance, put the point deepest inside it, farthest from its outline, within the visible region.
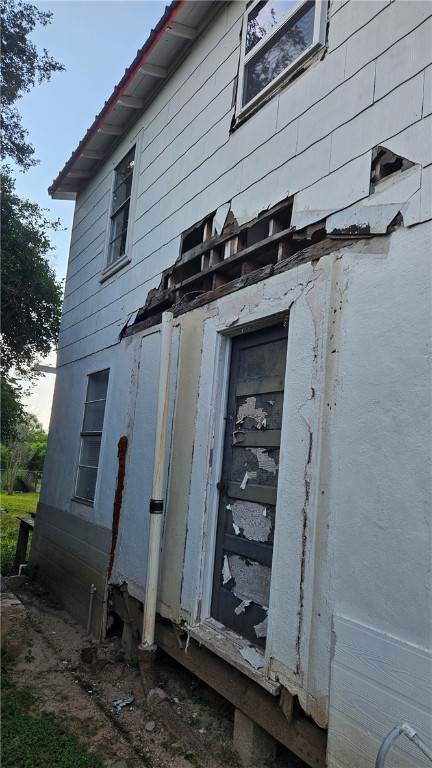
(224, 263)
(274, 714)
(281, 250)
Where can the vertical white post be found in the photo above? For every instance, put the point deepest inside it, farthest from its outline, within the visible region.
(157, 500)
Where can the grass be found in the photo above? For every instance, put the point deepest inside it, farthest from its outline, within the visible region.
(17, 504)
(32, 739)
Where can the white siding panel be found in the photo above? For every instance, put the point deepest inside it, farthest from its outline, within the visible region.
(426, 194)
(338, 190)
(380, 122)
(377, 681)
(319, 80)
(353, 16)
(339, 107)
(398, 19)
(427, 98)
(415, 143)
(404, 60)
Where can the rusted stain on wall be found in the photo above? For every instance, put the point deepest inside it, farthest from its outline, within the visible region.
(118, 498)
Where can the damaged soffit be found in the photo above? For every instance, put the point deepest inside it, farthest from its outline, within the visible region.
(165, 48)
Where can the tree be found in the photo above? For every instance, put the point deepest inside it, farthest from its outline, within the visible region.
(21, 68)
(12, 410)
(19, 453)
(31, 295)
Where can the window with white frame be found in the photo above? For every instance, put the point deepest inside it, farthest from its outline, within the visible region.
(278, 35)
(120, 207)
(91, 435)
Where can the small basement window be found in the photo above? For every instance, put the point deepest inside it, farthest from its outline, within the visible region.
(278, 35)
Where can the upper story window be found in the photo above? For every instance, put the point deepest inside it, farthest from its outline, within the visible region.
(278, 35)
(91, 435)
(120, 207)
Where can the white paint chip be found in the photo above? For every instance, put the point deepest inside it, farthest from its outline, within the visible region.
(247, 476)
(236, 529)
(253, 657)
(249, 410)
(252, 579)
(252, 519)
(228, 506)
(226, 573)
(261, 629)
(242, 607)
(264, 460)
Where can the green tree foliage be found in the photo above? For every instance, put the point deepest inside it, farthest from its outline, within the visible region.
(25, 451)
(22, 67)
(31, 295)
(12, 410)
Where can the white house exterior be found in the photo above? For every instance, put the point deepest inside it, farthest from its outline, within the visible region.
(280, 209)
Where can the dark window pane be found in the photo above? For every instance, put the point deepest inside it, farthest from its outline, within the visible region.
(86, 483)
(94, 416)
(90, 450)
(279, 54)
(265, 16)
(97, 385)
(122, 192)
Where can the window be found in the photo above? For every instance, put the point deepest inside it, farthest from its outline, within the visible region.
(91, 435)
(278, 35)
(120, 208)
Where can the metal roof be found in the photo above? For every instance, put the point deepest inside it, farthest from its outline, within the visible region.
(166, 46)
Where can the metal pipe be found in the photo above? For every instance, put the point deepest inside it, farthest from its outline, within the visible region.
(391, 737)
(157, 501)
(93, 589)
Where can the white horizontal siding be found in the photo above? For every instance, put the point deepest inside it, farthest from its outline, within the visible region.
(377, 682)
(390, 26)
(380, 122)
(313, 139)
(352, 18)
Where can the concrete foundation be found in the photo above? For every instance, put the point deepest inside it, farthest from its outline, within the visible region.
(253, 744)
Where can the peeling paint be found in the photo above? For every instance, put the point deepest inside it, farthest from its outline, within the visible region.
(247, 476)
(252, 580)
(252, 656)
(220, 218)
(226, 573)
(252, 518)
(261, 629)
(249, 410)
(242, 607)
(236, 529)
(264, 460)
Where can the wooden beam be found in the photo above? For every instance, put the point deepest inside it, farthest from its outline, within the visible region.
(181, 30)
(153, 70)
(112, 130)
(131, 102)
(299, 735)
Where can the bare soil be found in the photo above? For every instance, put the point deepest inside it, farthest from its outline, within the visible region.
(183, 724)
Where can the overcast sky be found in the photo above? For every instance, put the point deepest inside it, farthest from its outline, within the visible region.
(96, 40)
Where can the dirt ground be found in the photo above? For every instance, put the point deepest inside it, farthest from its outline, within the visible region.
(174, 720)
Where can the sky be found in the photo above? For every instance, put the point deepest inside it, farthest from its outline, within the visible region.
(96, 40)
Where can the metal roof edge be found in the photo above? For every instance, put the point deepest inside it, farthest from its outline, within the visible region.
(171, 12)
